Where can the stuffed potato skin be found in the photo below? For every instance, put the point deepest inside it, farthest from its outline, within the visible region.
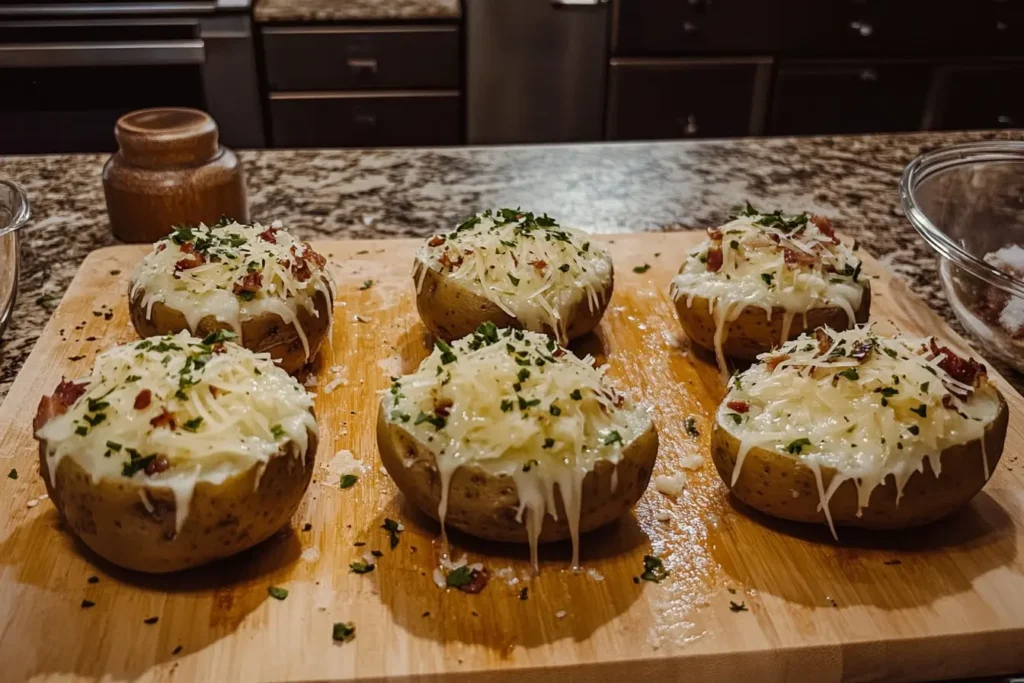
(754, 332)
(485, 505)
(450, 310)
(110, 517)
(267, 332)
(781, 486)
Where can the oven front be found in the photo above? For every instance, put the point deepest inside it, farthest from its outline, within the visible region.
(65, 79)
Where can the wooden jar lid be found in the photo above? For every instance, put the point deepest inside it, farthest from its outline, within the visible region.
(167, 137)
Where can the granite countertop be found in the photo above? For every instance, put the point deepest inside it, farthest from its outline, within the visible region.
(268, 11)
(412, 192)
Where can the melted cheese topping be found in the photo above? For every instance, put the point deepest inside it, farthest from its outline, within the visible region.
(516, 404)
(191, 410)
(865, 405)
(766, 261)
(530, 267)
(243, 272)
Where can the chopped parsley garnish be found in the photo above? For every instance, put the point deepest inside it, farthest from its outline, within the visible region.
(506, 405)
(397, 415)
(437, 420)
(366, 285)
(460, 576)
(277, 431)
(734, 244)
(513, 279)
(612, 437)
(361, 567)
(576, 395)
(133, 378)
(447, 356)
(137, 463)
(343, 631)
(737, 606)
(523, 375)
(914, 429)
(889, 352)
(554, 410)
(277, 593)
(87, 604)
(924, 387)
(524, 404)
(887, 392)
(530, 464)
(193, 424)
(564, 267)
(654, 569)
(94, 404)
(642, 269)
(797, 447)
(13, 474)
(921, 410)
(548, 442)
(218, 337)
(348, 481)
(393, 528)
(768, 278)
(850, 374)
(691, 426)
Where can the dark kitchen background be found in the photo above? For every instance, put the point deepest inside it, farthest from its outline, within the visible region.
(336, 73)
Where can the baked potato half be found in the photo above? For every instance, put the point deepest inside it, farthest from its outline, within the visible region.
(853, 429)
(161, 466)
(513, 269)
(270, 289)
(507, 436)
(765, 278)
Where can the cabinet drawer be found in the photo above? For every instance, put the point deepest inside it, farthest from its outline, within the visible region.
(859, 97)
(375, 120)
(649, 99)
(976, 96)
(338, 58)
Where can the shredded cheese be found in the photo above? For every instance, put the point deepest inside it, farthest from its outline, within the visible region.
(233, 273)
(516, 404)
(530, 267)
(866, 406)
(168, 412)
(770, 261)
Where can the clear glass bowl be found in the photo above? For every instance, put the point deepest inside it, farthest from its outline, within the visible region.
(967, 201)
(14, 213)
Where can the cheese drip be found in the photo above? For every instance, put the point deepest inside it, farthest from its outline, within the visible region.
(530, 267)
(246, 271)
(211, 409)
(756, 271)
(867, 418)
(517, 405)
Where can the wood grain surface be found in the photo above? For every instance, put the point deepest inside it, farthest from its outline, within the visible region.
(748, 598)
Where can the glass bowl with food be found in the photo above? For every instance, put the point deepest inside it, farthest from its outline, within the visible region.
(967, 201)
(14, 214)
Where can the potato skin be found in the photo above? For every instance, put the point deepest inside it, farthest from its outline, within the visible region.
(264, 333)
(485, 506)
(753, 332)
(451, 311)
(767, 481)
(223, 519)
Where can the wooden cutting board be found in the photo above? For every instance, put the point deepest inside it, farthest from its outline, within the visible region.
(748, 598)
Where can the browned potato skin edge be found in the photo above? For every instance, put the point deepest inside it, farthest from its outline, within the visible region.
(451, 311)
(265, 333)
(753, 332)
(223, 519)
(485, 506)
(767, 480)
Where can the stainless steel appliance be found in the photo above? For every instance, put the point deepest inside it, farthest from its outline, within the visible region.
(536, 70)
(69, 70)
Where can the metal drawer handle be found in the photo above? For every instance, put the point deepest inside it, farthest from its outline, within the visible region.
(148, 53)
(577, 3)
(863, 28)
(362, 65)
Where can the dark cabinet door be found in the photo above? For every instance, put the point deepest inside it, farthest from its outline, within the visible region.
(344, 58)
(365, 120)
(677, 27)
(863, 97)
(978, 96)
(679, 98)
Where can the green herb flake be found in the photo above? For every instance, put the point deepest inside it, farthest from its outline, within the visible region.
(921, 410)
(690, 425)
(914, 429)
(361, 567)
(768, 278)
(555, 410)
(523, 375)
(797, 447)
(924, 387)
(460, 576)
(447, 355)
(642, 269)
(737, 606)
(576, 395)
(393, 528)
(13, 474)
(654, 569)
(612, 437)
(218, 337)
(548, 443)
(277, 592)
(366, 285)
(277, 431)
(343, 632)
(348, 481)
(850, 374)
(193, 424)
(513, 279)
(530, 464)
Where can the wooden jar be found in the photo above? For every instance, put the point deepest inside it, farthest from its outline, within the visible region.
(170, 169)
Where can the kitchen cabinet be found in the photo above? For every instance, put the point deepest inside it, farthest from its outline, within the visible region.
(977, 96)
(849, 97)
(676, 98)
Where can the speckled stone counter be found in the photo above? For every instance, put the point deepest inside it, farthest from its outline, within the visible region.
(411, 192)
(267, 11)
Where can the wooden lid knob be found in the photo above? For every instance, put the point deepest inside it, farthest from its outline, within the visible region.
(167, 137)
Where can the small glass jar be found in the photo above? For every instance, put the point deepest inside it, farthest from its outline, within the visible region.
(170, 170)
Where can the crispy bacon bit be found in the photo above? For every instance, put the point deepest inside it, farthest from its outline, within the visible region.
(738, 406)
(193, 259)
(68, 392)
(714, 260)
(142, 399)
(774, 237)
(435, 241)
(619, 400)
(478, 579)
(164, 419)
(252, 282)
(161, 246)
(824, 340)
(862, 349)
(443, 407)
(269, 235)
(558, 353)
(794, 257)
(64, 396)
(539, 265)
(214, 391)
(825, 226)
(964, 370)
(300, 269)
(774, 361)
(715, 234)
(158, 464)
(448, 263)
